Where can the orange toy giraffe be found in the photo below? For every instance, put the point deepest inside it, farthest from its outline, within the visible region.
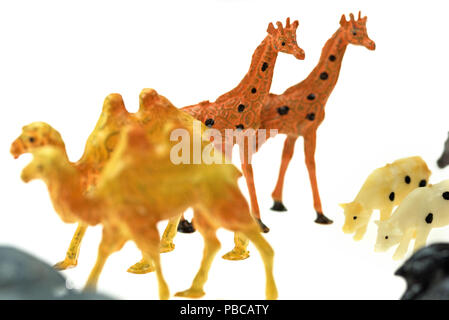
(300, 109)
(240, 108)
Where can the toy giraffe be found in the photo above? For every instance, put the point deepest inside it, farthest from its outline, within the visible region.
(140, 185)
(300, 110)
(240, 108)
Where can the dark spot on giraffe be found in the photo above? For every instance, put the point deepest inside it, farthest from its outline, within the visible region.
(429, 218)
(324, 76)
(209, 122)
(241, 107)
(446, 195)
(283, 43)
(391, 196)
(264, 66)
(332, 58)
(408, 180)
(31, 139)
(311, 97)
(253, 90)
(355, 217)
(240, 126)
(422, 183)
(354, 33)
(311, 116)
(283, 110)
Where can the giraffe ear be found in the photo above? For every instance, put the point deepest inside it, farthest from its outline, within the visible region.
(343, 21)
(271, 30)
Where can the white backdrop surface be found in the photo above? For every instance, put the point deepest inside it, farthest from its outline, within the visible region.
(58, 61)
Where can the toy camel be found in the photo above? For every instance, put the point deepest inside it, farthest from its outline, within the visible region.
(240, 108)
(384, 188)
(422, 210)
(140, 185)
(443, 161)
(300, 110)
(97, 151)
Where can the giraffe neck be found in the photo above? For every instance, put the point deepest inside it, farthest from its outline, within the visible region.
(259, 77)
(324, 76)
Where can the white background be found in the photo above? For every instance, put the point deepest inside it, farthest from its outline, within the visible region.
(59, 59)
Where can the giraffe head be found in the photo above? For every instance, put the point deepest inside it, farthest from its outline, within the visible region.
(355, 31)
(284, 38)
(35, 135)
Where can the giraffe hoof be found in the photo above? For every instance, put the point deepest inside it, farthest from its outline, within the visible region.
(278, 206)
(262, 225)
(185, 226)
(322, 219)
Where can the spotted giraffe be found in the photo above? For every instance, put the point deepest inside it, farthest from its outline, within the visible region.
(300, 109)
(241, 107)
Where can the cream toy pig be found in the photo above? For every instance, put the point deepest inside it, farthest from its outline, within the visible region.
(422, 210)
(384, 189)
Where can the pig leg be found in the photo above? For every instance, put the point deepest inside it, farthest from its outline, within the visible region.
(403, 245)
(385, 213)
(421, 238)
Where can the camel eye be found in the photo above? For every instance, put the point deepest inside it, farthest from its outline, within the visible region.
(386, 237)
(31, 139)
(355, 218)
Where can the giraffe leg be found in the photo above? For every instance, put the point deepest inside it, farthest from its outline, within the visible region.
(402, 248)
(240, 251)
(185, 226)
(71, 258)
(147, 239)
(211, 247)
(267, 254)
(111, 242)
(421, 238)
(287, 154)
(247, 169)
(309, 150)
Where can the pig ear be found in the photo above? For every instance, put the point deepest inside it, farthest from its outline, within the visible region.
(343, 205)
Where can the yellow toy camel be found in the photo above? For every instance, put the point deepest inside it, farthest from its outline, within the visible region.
(384, 189)
(140, 185)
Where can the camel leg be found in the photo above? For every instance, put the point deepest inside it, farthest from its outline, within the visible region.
(267, 254)
(111, 242)
(287, 154)
(403, 246)
(211, 247)
(240, 251)
(148, 241)
(71, 258)
(309, 150)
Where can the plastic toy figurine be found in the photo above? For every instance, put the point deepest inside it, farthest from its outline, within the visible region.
(240, 108)
(384, 189)
(300, 110)
(427, 273)
(97, 151)
(140, 185)
(420, 211)
(443, 161)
